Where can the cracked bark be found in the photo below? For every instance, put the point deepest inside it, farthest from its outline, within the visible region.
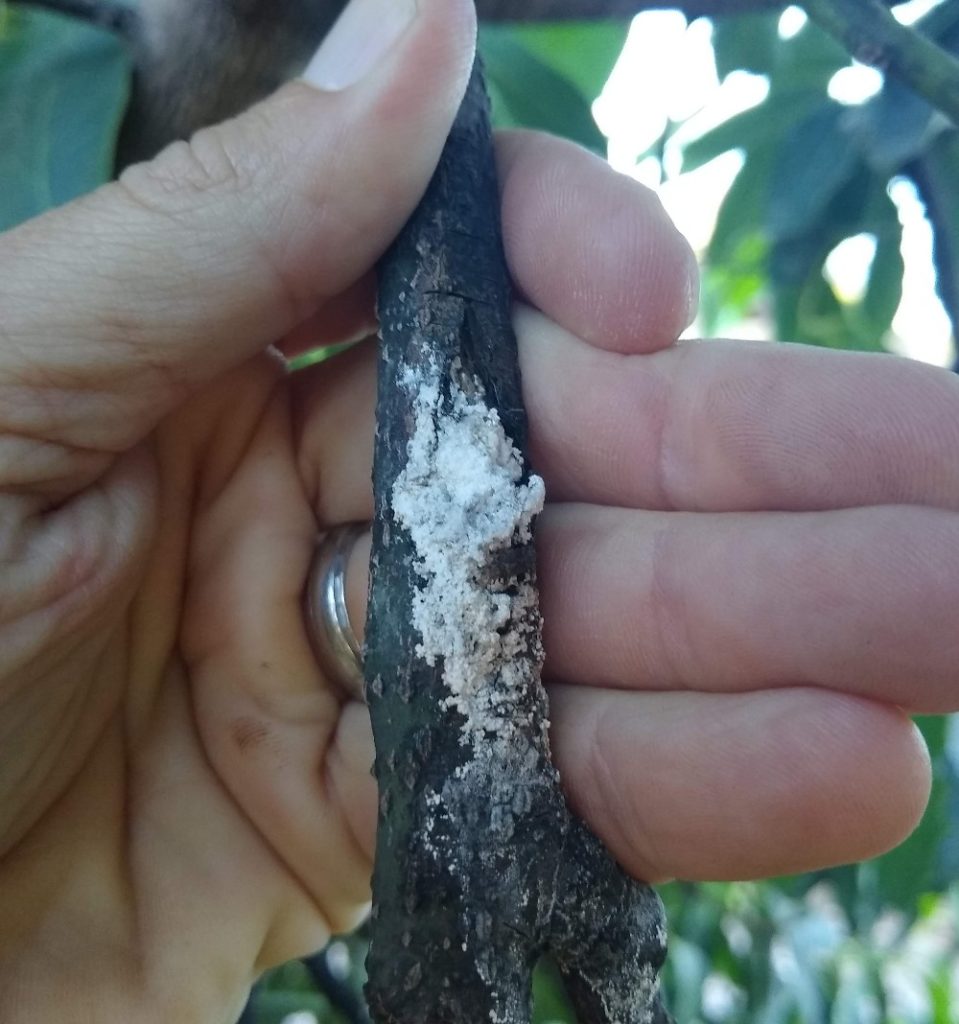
(480, 866)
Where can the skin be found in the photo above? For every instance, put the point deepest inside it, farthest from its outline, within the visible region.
(750, 559)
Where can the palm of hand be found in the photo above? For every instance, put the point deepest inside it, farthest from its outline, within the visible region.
(192, 750)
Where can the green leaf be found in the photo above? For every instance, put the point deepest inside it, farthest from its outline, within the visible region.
(949, 842)
(275, 1007)
(808, 60)
(689, 966)
(747, 42)
(529, 92)
(741, 214)
(63, 90)
(884, 291)
(551, 1004)
(758, 125)
(729, 293)
(897, 125)
(858, 995)
(583, 52)
(813, 163)
(894, 127)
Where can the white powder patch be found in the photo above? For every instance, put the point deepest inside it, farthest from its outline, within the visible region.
(461, 499)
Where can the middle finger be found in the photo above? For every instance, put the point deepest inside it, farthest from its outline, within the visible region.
(702, 426)
(856, 600)
(859, 600)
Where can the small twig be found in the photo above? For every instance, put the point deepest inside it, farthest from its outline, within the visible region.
(108, 14)
(873, 36)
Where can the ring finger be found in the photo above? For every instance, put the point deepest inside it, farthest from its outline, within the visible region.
(729, 785)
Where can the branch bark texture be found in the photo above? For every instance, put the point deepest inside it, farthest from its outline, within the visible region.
(480, 866)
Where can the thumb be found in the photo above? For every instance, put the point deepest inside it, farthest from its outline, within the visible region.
(115, 306)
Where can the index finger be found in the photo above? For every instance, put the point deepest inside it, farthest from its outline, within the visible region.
(115, 307)
(592, 249)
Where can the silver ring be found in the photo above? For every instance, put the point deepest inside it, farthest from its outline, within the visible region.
(335, 645)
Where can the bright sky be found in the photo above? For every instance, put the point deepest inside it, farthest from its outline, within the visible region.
(670, 66)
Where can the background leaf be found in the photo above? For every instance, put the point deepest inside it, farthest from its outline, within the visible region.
(63, 89)
(528, 91)
(584, 52)
(814, 161)
(913, 868)
(747, 42)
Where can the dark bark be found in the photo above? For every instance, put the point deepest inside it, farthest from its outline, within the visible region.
(480, 866)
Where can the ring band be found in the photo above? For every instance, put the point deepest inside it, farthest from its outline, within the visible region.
(335, 645)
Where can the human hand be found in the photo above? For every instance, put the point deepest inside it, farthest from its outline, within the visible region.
(184, 800)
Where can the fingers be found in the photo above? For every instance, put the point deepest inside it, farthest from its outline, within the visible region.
(270, 724)
(858, 600)
(115, 306)
(705, 786)
(593, 249)
(707, 426)
(718, 786)
(724, 426)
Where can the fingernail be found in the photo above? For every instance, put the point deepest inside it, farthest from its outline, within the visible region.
(365, 32)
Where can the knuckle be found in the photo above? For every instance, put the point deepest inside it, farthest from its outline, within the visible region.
(185, 175)
(225, 160)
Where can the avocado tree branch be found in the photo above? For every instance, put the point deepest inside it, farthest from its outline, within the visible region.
(873, 36)
(480, 866)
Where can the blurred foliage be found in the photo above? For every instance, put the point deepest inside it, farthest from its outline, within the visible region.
(863, 944)
(63, 90)
(546, 77)
(814, 173)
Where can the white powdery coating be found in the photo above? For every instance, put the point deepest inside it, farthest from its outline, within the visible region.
(460, 498)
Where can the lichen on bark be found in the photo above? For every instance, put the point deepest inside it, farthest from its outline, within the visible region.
(480, 866)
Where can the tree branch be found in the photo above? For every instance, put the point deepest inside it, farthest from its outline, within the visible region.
(873, 36)
(480, 866)
(108, 14)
